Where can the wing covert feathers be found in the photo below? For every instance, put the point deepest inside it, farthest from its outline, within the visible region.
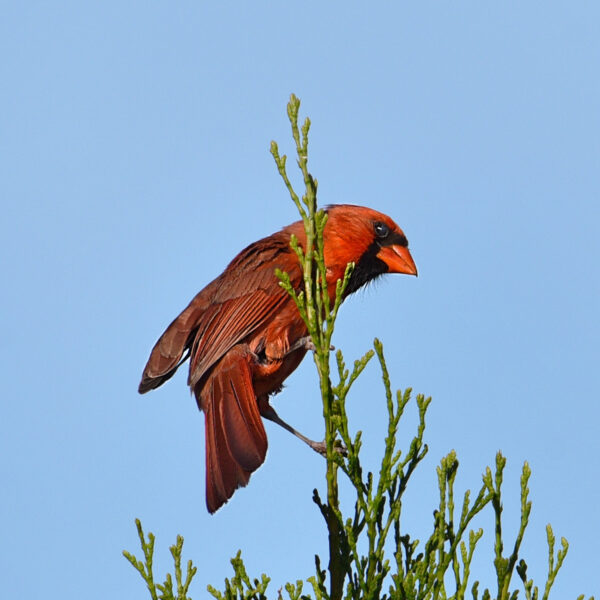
(224, 325)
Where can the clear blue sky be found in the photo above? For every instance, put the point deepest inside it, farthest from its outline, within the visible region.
(135, 165)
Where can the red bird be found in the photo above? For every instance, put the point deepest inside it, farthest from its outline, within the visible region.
(244, 336)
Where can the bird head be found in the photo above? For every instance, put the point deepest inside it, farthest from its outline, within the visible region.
(369, 239)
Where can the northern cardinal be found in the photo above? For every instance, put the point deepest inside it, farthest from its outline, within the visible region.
(244, 336)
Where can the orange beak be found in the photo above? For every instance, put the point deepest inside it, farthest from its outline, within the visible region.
(398, 259)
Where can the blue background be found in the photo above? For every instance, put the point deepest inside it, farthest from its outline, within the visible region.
(135, 165)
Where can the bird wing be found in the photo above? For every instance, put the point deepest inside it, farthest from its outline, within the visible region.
(238, 302)
(224, 325)
(166, 356)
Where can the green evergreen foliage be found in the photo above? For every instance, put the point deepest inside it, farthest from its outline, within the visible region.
(371, 555)
(162, 591)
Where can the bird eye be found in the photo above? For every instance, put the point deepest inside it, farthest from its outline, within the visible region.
(381, 229)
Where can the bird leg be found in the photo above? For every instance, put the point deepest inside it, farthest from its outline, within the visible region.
(268, 412)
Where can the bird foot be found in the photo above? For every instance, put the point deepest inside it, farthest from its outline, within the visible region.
(306, 343)
(321, 448)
